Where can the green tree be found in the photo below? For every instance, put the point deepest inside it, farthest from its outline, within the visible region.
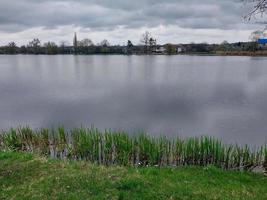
(51, 48)
(152, 44)
(11, 48)
(129, 44)
(129, 47)
(170, 49)
(224, 46)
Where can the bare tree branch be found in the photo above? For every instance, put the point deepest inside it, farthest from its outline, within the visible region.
(258, 7)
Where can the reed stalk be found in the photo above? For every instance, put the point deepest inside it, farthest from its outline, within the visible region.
(119, 148)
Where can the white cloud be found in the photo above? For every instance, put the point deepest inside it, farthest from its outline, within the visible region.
(120, 35)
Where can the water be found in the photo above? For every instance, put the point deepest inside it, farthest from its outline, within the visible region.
(172, 95)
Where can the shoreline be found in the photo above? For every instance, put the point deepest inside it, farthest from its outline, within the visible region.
(229, 53)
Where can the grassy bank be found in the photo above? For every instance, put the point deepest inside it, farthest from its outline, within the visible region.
(27, 176)
(118, 148)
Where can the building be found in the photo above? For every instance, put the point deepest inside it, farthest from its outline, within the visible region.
(75, 43)
(160, 49)
(163, 49)
(262, 41)
(180, 49)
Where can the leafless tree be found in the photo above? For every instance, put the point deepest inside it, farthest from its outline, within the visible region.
(145, 38)
(148, 41)
(63, 44)
(104, 43)
(85, 43)
(35, 46)
(255, 35)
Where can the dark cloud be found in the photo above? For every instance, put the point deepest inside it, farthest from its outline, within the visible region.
(18, 15)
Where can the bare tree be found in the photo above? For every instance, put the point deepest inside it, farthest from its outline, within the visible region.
(35, 45)
(255, 35)
(85, 43)
(104, 43)
(63, 44)
(146, 40)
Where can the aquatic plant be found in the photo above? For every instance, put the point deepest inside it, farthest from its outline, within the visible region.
(119, 148)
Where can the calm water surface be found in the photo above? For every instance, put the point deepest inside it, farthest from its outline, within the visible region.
(172, 95)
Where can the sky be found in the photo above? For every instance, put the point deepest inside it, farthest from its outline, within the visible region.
(169, 21)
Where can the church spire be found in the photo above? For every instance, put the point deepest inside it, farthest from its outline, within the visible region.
(75, 42)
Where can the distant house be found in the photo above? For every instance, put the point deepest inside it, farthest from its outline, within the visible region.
(180, 48)
(160, 49)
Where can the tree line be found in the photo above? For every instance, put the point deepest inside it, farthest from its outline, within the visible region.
(148, 42)
(85, 46)
(36, 47)
(148, 45)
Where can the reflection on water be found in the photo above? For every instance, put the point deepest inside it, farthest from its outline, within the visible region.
(172, 95)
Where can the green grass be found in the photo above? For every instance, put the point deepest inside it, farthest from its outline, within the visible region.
(118, 148)
(27, 176)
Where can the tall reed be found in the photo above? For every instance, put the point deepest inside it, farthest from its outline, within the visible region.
(119, 148)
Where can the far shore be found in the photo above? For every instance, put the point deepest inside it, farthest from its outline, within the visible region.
(217, 53)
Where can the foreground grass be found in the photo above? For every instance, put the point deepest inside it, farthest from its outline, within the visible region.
(26, 176)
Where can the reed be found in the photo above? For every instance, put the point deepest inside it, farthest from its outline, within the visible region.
(119, 148)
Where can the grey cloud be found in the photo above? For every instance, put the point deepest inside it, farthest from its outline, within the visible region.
(17, 15)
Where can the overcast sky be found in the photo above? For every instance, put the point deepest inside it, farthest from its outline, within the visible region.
(176, 21)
